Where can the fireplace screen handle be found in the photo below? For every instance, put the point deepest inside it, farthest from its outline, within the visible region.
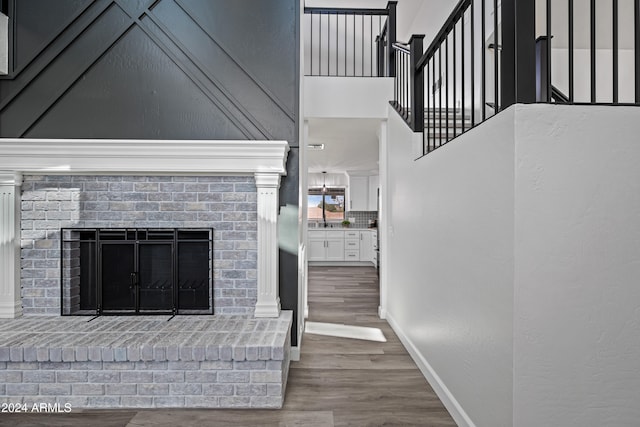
(134, 280)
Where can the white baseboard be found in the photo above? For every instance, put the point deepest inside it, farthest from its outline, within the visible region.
(453, 406)
(382, 313)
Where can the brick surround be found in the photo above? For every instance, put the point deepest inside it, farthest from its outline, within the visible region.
(225, 203)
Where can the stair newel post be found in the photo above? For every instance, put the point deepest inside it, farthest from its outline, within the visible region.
(518, 74)
(543, 85)
(391, 38)
(380, 55)
(416, 80)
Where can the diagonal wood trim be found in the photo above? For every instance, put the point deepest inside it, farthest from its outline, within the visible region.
(62, 29)
(279, 103)
(56, 91)
(202, 76)
(53, 50)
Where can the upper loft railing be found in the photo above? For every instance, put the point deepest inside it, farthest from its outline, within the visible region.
(584, 53)
(350, 42)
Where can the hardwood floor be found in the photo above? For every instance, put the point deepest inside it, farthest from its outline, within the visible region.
(337, 382)
(362, 383)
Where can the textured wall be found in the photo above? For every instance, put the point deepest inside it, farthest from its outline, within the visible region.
(450, 268)
(227, 204)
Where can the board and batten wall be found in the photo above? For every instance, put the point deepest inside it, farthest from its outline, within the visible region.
(513, 254)
(167, 69)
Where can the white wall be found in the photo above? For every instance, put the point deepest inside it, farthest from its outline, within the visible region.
(450, 267)
(347, 97)
(577, 271)
(514, 258)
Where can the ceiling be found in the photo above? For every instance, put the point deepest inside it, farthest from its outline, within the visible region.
(349, 145)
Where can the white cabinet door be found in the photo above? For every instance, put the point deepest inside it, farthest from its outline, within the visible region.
(366, 246)
(374, 183)
(359, 193)
(335, 249)
(316, 250)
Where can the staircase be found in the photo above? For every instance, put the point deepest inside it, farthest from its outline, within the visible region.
(442, 125)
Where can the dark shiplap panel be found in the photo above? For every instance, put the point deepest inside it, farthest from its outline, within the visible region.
(245, 71)
(240, 88)
(98, 105)
(11, 86)
(46, 19)
(43, 91)
(265, 43)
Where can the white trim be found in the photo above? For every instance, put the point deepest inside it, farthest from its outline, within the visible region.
(453, 406)
(268, 304)
(382, 313)
(295, 353)
(10, 298)
(103, 156)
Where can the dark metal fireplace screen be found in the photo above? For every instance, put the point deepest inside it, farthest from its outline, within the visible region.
(136, 271)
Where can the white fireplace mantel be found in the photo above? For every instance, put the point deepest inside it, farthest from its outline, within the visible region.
(266, 160)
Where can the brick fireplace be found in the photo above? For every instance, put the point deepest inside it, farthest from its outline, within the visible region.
(229, 187)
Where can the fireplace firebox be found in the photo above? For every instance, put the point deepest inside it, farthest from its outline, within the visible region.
(136, 271)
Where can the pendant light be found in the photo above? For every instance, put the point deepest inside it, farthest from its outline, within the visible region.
(324, 182)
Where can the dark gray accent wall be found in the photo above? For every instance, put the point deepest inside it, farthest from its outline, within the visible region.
(158, 69)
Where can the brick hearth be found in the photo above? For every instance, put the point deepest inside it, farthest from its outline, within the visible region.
(146, 361)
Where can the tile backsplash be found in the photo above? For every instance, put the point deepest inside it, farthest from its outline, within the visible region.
(361, 219)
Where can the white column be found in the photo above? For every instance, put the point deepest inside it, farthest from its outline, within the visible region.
(268, 304)
(10, 301)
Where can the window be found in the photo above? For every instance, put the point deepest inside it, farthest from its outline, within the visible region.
(326, 206)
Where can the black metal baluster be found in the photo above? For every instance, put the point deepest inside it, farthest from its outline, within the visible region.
(337, 37)
(549, 82)
(440, 132)
(362, 54)
(571, 83)
(433, 66)
(615, 51)
(593, 51)
(455, 83)
(484, 64)
(328, 44)
(379, 57)
(311, 45)
(354, 45)
(495, 58)
(473, 67)
(345, 45)
(320, 46)
(371, 41)
(462, 68)
(446, 98)
(428, 129)
(636, 24)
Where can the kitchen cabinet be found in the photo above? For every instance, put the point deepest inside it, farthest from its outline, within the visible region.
(363, 193)
(359, 193)
(326, 245)
(350, 245)
(366, 246)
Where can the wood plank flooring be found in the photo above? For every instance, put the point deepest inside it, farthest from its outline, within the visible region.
(337, 382)
(363, 383)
